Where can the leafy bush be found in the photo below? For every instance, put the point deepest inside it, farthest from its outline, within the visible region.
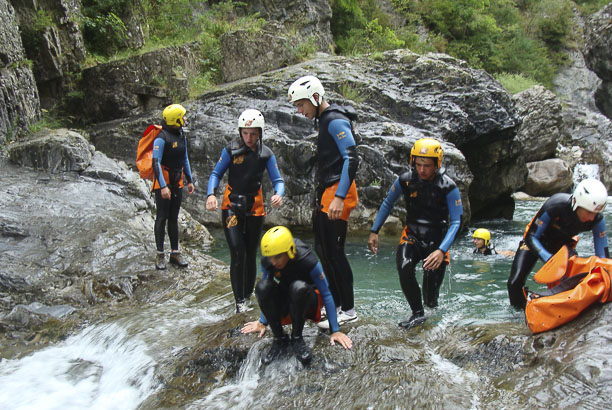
(515, 83)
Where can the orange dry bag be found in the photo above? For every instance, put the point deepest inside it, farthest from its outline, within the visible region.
(580, 282)
(144, 154)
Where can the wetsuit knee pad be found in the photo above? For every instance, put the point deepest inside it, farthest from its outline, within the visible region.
(265, 288)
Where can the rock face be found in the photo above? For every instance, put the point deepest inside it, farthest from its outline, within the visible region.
(124, 88)
(56, 47)
(19, 103)
(540, 130)
(77, 234)
(399, 97)
(598, 55)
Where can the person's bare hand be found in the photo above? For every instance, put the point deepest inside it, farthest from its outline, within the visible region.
(335, 208)
(433, 260)
(341, 339)
(253, 327)
(211, 203)
(373, 242)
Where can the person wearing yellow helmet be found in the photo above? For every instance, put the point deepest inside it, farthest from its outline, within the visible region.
(433, 218)
(242, 210)
(171, 166)
(293, 288)
(482, 242)
(336, 191)
(562, 217)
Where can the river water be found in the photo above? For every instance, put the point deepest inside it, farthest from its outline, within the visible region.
(115, 365)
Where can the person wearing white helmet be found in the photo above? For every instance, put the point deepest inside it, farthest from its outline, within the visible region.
(242, 208)
(557, 222)
(336, 191)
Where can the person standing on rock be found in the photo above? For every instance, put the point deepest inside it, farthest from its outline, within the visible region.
(556, 223)
(242, 209)
(433, 218)
(336, 191)
(171, 166)
(293, 288)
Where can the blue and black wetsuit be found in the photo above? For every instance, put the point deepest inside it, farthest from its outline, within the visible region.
(170, 165)
(552, 227)
(429, 205)
(337, 163)
(291, 292)
(242, 210)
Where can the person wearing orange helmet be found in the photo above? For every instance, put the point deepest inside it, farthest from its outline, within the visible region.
(433, 218)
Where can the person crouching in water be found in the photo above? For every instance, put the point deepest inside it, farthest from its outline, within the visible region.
(431, 198)
(242, 209)
(557, 222)
(293, 288)
(482, 242)
(170, 165)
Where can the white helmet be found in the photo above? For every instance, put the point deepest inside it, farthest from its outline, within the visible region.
(251, 119)
(306, 87)
(591, 195)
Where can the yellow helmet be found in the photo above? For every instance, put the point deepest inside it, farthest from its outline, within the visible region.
(429, 148)
(483, 234)
(276, 241)
(173, 115)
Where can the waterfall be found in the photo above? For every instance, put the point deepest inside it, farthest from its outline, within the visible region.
(584, 171)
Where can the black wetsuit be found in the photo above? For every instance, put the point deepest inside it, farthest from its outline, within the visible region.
(428, 207)
(291, 291)
(553, 226)
(169, 155)
(487, 251)
(242, 210)
(337, 162)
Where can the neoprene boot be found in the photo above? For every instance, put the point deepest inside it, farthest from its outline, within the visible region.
(278, 345)
(301, 350)
(160, 261)
(177, 259)
(416, 319)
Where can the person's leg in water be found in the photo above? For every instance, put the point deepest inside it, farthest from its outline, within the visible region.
(273, 307)
(432, 281)
(252, 237)
(163, 213)
(332, 237)
(523, 263)
(407, 256)
(302, 300)
(176, 198)
(233, 227)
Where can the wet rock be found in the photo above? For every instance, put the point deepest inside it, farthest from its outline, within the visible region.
(55, 151)
(598, 43)
(548, 177)
(36, 313)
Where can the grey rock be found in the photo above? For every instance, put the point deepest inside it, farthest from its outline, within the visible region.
(598, 55)
(55, 151)
(548, 177)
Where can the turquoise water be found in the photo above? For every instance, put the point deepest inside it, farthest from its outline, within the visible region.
(474, 288)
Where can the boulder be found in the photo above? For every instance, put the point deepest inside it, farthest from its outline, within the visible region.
(134, 85)
(55, 151)
(548, 177)
(540, 129)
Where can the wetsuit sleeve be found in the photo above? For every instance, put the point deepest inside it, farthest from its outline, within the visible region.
(387, 206)
(343, 136)
(217, 173)
(455, 210)
(600, 239)
(264, 275)
(533, 240)
(275, 176)
(158, 153)
(320, 281)
(186, 166)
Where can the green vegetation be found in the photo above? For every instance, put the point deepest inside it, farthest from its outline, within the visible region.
(521, 41)
(515, 83)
